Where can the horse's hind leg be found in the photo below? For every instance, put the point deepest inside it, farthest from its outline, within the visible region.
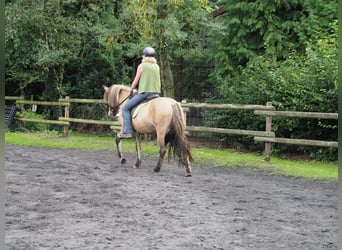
(188, 168)
(119, 150)
(162, 152)
(138, 150)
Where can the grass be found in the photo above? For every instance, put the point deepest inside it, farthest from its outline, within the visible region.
(203, 156)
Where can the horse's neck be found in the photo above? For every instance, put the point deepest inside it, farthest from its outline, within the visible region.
(123, 95)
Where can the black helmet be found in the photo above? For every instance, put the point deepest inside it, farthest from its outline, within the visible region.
(148, 51)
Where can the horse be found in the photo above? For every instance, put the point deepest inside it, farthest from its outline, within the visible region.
(163, 116)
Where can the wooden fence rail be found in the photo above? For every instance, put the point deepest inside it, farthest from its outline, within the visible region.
(229, 131)
(227, 106)
(305, 142)
(316, 115)
(267, 136)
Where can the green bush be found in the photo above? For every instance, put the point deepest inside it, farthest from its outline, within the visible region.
(300, 83)
(34, 126)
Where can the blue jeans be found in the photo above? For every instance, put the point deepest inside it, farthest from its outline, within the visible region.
(126, 110)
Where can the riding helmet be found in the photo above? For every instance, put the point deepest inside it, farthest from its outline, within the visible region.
(148, 51)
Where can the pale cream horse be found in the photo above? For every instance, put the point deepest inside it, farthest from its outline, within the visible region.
(163, 116)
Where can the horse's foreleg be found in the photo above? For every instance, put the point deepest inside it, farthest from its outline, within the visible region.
(162, 152)
(188, 168)
(119, 150)
(138, 150)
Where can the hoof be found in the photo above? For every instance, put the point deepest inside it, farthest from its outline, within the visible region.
(137, 164)
(123, 161)
(187, 175)
(156, 170)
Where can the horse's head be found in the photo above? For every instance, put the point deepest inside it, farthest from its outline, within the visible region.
(107, 96)
(112, 95)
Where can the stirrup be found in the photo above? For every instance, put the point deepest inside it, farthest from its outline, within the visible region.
(124, 136)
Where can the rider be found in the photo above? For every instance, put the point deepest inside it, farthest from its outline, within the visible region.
(147, 79)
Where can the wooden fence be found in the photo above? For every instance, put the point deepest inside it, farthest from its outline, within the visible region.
(267, 136)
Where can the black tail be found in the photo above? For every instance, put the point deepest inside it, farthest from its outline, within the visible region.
(178, 144)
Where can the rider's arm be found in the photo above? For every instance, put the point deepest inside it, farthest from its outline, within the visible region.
(136, 78)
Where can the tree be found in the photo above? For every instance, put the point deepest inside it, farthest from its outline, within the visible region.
(248, 29)
(39, 45)
(169, 26)
(300, 82)
(58, 48)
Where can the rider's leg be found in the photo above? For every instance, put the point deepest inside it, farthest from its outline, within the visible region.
(126, 111)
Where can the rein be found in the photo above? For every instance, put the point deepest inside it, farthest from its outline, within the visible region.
(116, 107)
(123, 100)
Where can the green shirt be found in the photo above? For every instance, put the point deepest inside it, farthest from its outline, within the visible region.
(150, 78)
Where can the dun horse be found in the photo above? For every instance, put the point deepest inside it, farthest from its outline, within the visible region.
(163, 116)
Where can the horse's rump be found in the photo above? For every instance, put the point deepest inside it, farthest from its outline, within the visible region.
(155, 114)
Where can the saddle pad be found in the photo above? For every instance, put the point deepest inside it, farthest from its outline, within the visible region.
(137, 109)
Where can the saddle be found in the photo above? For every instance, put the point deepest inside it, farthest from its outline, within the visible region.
(136, 109)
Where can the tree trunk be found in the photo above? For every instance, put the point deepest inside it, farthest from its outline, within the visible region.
(168, 81)
(165, 70)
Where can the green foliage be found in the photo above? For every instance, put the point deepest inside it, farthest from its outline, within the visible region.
(64, 48)
(298, 83)
(73, 48)
(174, 29)
(91, 112)
(34, 126)
(44, 40)
(275, 29)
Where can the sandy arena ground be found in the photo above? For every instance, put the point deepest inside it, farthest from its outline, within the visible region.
(74, 199)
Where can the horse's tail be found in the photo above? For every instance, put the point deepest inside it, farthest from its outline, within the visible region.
(178, 144)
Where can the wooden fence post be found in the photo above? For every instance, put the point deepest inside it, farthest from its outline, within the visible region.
(268, 128)
(184, 111)
(22, 109)
(66, 115)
